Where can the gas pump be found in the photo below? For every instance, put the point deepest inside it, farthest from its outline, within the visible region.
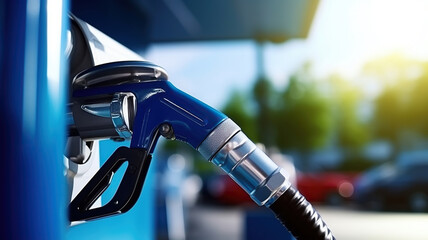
(131, 98)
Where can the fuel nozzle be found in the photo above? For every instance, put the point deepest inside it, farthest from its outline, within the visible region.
(131, 100)
(134, 100)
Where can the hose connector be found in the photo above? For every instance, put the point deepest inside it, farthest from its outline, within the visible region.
(230, 149)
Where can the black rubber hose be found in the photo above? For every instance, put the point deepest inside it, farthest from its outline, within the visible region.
(299, 217)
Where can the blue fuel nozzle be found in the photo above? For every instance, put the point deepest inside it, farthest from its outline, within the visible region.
(133, 100)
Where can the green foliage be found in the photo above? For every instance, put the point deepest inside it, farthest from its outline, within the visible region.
(401, 110)
(238, 109)
(351, 131)
(303, 116)
(263, 95)
(300, 116)
(389, 115)
(417, 108)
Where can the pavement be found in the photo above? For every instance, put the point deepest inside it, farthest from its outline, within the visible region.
(218, 222)
(215, 222)
(349, 224)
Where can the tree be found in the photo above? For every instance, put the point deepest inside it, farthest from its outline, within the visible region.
(350, 130)
(238, 109)
(263, 96)
(303, 116)
(417, 107)
(389, 115)
(400, 113)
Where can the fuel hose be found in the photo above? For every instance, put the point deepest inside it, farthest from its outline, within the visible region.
(299, 217)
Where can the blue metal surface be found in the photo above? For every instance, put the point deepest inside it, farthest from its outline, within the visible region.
(160, 102)
(32, 106)
(256, 219)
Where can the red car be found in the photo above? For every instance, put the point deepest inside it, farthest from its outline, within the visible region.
(332, 188)
(329, 187)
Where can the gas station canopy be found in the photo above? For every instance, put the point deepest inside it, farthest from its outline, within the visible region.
(137, 23)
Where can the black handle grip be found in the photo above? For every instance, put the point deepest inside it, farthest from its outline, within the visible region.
(299, 217)
(126, 195)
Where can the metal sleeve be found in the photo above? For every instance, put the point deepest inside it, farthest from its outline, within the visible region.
(239, 157)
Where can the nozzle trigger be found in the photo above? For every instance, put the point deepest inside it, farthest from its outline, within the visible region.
(126, 195)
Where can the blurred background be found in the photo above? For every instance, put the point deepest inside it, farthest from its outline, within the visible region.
(334, 91)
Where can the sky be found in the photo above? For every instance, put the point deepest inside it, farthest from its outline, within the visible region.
(344, 35)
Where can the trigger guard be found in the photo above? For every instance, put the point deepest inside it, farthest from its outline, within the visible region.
(127, 193)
